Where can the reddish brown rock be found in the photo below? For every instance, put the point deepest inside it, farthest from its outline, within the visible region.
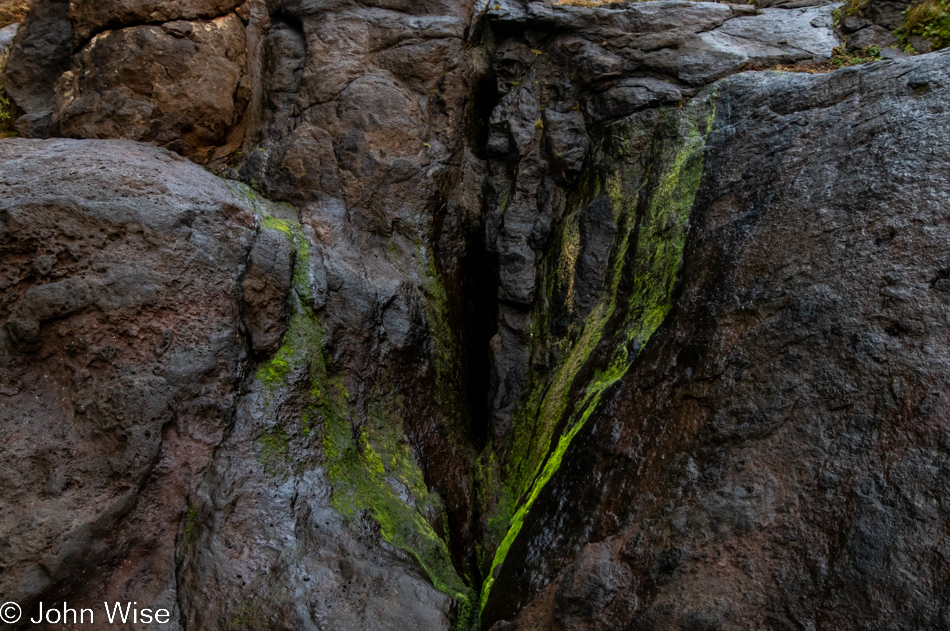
(120, 357)
(89, 17)
(178, 85)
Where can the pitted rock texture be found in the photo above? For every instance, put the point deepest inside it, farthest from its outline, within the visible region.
(780, 452)
(476, 256)
(121, 354)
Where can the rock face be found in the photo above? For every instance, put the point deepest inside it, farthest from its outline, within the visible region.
(110, 91)
(121, 356)
(526, 316)
(778, 453)
(39, 56)
(164, 75)
(90, 17)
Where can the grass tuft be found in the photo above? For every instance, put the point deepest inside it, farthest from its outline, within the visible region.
(929, 19)
(840, 58)
(7, 117)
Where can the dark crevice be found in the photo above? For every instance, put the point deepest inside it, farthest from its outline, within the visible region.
(480, 324)
(485, 100)
(471, 281)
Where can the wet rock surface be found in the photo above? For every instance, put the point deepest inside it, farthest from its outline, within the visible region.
(555, 64)
(524, 315)
(121, 356)
(759, 467)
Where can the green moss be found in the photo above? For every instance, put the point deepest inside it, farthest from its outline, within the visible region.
(274, 451)
(929, 19)
(505, 200)
(262, 207)
(649, 250)
(274, 372)
(842, 58)
(448, 394)
(305, 424)
(852, 7)
(370, 466)
(190, 531)
(283, 225)
(371, 474)
(7, 113)
(437, 318)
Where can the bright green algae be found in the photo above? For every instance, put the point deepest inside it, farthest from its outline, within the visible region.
(647, 256)
(370, 467)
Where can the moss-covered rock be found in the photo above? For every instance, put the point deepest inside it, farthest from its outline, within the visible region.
(647, 172)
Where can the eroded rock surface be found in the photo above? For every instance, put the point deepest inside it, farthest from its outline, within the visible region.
(39, 56)
(90, 17)
(180, 85)
(564, 71)
(121, 355)
(779, 453)
(526, 315)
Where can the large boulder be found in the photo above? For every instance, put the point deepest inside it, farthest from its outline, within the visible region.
(178, 85)
(172, 73)
(121, 352)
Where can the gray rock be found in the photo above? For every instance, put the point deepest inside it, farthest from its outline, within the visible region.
(631, 95)
(920, 44)
(121, 287)
(871, 36)
(853, 23)
(566, 143)
(7, 33)
(266, 287)
(773, 36)
(894, 53)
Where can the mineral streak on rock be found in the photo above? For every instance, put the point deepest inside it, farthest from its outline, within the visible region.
(515, 315)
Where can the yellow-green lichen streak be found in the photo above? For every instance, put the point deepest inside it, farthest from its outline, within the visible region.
(660, 240)
(369, 471)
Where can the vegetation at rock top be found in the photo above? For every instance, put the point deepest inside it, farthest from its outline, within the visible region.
(929, 19)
